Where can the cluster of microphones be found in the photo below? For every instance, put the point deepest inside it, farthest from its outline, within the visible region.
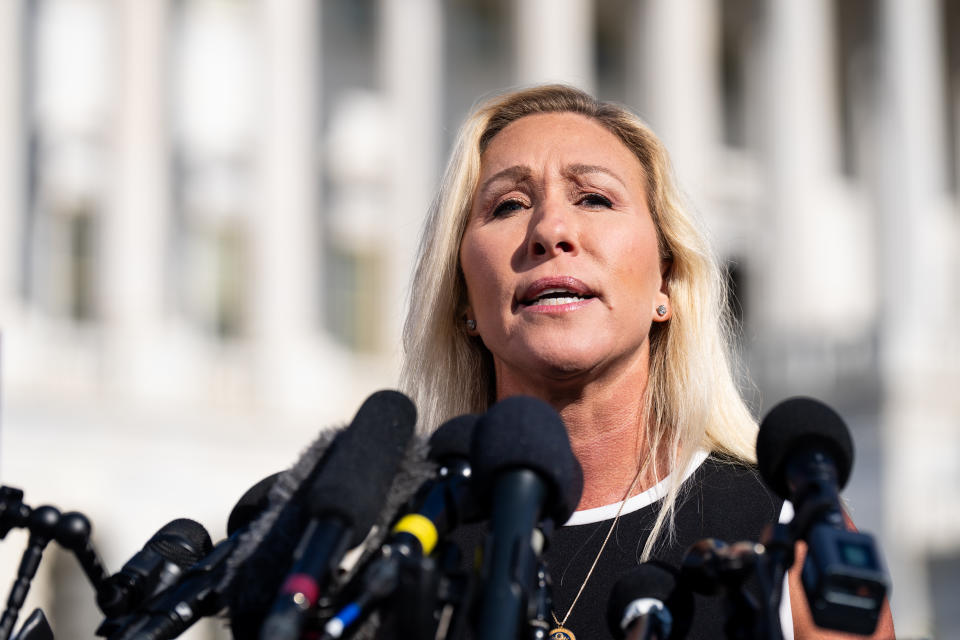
(396, 500)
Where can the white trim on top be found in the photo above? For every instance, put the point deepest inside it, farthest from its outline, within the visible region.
(639, 501)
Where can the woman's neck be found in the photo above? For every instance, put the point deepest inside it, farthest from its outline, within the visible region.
(605, 423)
(611, 445)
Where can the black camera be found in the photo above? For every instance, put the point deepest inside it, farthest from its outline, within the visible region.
(844, 579)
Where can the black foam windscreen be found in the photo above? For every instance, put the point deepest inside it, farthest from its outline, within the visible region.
(260, 562)
(363, 461)
(795, 424)
(251, 504)
(521, 432)
(655, 580)
(453, 438)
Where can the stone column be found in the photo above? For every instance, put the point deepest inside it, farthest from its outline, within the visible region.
(135, 220)
(554, 42)
(674, 56)
(12, 154)
(816, 263)
(919, 349)
(411, 67)
(285, 240)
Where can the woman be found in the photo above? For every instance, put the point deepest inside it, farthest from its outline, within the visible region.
(559, 262)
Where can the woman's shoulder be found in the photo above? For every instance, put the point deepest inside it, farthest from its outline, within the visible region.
(727, 499)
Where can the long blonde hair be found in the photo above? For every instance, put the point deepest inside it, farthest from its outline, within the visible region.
(691, 401)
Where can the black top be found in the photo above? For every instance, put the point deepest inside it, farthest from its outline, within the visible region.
(720, 499)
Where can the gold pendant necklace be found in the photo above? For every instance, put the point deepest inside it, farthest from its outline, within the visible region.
(560, 632)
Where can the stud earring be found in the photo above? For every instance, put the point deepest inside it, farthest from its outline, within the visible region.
(662, 310)
(471, 324)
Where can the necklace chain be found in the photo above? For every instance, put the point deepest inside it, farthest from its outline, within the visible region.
(561, 624)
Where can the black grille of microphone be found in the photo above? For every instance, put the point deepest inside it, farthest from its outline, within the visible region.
(171, 550)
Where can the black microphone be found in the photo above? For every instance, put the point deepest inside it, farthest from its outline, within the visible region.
(711, 567)
(169, 552)
(195, 596)
(341, 511)
(200, 589)
(525, 470)
(439, 506)
(805, 454)
(649, 603)
(251, 504)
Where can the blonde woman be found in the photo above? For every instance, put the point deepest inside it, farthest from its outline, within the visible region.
(559, 261)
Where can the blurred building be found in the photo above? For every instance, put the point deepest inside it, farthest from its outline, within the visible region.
(209, 211)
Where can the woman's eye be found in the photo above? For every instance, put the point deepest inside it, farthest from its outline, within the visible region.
(595, 200)
(506, 207)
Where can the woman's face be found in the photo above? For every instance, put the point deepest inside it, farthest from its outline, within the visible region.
(560, 254)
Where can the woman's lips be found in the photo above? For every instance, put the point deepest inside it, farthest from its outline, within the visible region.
(556, 293)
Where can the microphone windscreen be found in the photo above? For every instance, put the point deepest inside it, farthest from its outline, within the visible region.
(251, 504)
(363, 461)
(260, 562)
(453, 438)
(799, 423)
(521, 432)
(657, 581)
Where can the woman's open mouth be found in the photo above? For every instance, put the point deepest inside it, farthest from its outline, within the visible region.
(555, 297)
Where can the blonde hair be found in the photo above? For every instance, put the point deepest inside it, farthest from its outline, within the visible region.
(691, 401)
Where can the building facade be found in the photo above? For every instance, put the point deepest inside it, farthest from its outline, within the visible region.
(209, 210)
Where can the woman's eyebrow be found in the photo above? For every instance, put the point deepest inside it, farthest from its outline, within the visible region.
(515, 174)
(576, 170)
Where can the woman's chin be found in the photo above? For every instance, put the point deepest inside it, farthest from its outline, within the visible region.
(563, 363)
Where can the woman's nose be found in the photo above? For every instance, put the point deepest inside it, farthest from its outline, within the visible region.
(552, 231)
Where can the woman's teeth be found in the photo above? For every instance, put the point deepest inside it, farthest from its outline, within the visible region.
(559, 301)
(556, 297)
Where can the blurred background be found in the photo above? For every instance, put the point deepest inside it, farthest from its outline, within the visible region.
(209, 210)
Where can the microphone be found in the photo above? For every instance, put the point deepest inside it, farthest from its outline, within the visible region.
(649, 604)
(440, 505)
(342, 512)
(251, 504)
(805, 454)
(169, 552)
(711, 566)
(525, 470)
(195, 596)
(200, 590)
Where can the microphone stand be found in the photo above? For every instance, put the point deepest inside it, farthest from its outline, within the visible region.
(70, 530)
(42, 523)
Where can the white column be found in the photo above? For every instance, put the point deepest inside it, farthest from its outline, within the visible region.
(818, 281)
(674, 58)
(134, 222)
(285, 230)
(919, 348)
(12, 153)
(554, 42)
(411, 68)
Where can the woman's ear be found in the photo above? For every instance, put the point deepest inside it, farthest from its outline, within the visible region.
(662, 309)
